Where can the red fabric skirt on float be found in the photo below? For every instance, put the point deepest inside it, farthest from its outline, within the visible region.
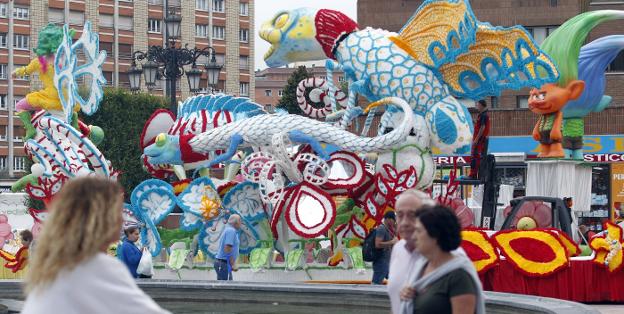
(583, 281)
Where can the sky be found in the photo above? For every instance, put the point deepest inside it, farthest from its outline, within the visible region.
(266, 9)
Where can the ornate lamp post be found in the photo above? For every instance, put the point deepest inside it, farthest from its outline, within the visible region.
(168, 62)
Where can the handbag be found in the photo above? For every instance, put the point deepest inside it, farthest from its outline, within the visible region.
(146, 265)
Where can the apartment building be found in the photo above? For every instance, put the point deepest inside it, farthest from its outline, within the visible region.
(270, 82)
(124, 26)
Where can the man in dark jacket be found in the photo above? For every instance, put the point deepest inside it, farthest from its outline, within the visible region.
(385, 238)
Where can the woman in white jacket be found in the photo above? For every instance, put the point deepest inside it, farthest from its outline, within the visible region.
(70, 272)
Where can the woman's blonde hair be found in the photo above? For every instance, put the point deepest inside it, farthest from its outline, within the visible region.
(85, 217)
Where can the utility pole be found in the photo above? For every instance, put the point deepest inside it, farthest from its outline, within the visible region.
(11, 95)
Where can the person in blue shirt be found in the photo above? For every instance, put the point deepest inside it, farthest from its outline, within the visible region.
(225, 261)
(130, 253)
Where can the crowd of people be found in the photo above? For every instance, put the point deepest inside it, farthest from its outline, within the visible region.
(426, 269)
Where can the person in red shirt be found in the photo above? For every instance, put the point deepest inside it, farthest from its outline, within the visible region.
(480, 138)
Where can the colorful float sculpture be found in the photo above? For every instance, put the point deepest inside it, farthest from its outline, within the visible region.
(443, 52)
(294, 165)
(60, 145)
(580, 88)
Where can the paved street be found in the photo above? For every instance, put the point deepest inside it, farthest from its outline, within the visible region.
(609, 308)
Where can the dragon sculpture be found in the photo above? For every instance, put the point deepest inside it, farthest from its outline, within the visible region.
(443, 52)
(260, 131)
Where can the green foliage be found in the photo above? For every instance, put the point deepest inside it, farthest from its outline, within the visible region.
(167, 236)
(31, 202)
(122, 116)
(344, 86)
(288, 101)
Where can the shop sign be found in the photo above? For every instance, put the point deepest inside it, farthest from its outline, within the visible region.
(597, 148)
(603, 157)
(617, 191)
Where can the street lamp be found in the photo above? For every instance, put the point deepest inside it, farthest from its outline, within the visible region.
(134, 74)
(194, 75)
(173, 22)
(168, 62)
(213, 70)
(150, 70)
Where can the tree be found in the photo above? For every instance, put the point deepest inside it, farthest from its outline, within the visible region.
(122, 116)
(288, 101)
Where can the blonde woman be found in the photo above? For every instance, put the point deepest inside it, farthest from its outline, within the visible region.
(70, 272)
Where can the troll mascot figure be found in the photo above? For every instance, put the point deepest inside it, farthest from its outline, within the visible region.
(50, 39)
(556, 124)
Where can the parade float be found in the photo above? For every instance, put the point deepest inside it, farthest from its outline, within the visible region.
(307, 190)
(58, 143)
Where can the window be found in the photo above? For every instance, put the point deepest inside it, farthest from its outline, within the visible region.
(522, 101)
(108, 75)
(3, 40)
(268, 93)
(244, 89)
(21, 41)
(244, 8)
(220, 59)
(553, 3)
(18, 134)
(126, 23)
(217, 6)
(341, 78)
(108, 47)
(540, 33)
(243, 62)
(106, 20)
(201, 5)
(618, 63)
(3, 71)
(3, 159)
(76, 17)
(124, 80)
(20, 13)
(243, 35)
(18, 163)
(3, 102)
(155, 2)
(56, 16)
(269, 108)
(494, 102)
(24, 77)
(154, 26)
(218, 32)
(125, 51)
(201, 30)
(280, 92)
(3, 10)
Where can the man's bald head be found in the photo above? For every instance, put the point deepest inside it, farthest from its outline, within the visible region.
(414, 199)
(234, 221)
(406, 206)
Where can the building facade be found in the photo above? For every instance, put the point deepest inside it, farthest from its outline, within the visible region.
(270, 82)
(124, 26)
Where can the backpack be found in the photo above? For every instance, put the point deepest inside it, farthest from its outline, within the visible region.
(369, 252)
